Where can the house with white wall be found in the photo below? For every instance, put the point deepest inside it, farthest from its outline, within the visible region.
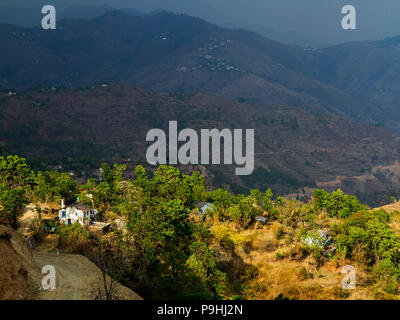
(77, 212)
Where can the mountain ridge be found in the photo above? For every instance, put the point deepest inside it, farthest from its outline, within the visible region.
(169, 53)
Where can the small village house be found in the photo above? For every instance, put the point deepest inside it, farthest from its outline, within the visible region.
(77, 212)
(203, 207)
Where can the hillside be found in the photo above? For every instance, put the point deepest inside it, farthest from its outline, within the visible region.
(18, 277)
(169, 53)
(294, 149)
(161, 245)
(178, 53)
(369, 71)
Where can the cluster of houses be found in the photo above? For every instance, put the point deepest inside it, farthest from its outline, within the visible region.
(86, 215)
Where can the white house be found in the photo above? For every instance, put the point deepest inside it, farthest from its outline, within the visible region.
(77, 212)
(205, 208)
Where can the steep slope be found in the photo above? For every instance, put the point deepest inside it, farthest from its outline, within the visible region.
(18, 278)
(294, 148)
(370, 71)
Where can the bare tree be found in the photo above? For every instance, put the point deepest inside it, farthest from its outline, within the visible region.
(109, 264)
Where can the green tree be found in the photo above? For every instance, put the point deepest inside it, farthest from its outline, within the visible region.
(16, 179)
(15, 172)
(11, 201)
(337, 203)
(107, 193)
(54, 185)
(163, 261)
(244, 211)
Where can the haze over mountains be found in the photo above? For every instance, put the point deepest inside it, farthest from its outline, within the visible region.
(179, 53)
(309, 105)
(308, 22)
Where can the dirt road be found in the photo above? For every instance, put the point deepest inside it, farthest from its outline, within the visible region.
(77, 278)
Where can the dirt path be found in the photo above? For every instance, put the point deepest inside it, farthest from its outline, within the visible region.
(77, 278)
(26, 219)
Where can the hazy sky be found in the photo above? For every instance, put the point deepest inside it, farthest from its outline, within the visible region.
(314, 19)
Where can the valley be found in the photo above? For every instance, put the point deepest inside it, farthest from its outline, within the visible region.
(294, 149)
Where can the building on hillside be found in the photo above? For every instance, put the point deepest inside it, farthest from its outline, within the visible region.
(203, 207)
(261, 219)
(77, 212)
(206, 207)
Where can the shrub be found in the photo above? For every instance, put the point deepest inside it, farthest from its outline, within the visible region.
(227, 243)
(337, 203)
(38, 228)
(304, 274)
(281, 296)
(277, 230)
(73, 238)
(340, 293)
(366, 236)
(281, 255)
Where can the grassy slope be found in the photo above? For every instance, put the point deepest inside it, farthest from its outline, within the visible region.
(271, 261)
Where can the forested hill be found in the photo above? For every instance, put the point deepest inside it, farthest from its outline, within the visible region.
(295, 149)
(160, 245)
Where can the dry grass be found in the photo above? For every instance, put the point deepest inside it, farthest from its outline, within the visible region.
(394, 221)
(15, 281)
(294, 273)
